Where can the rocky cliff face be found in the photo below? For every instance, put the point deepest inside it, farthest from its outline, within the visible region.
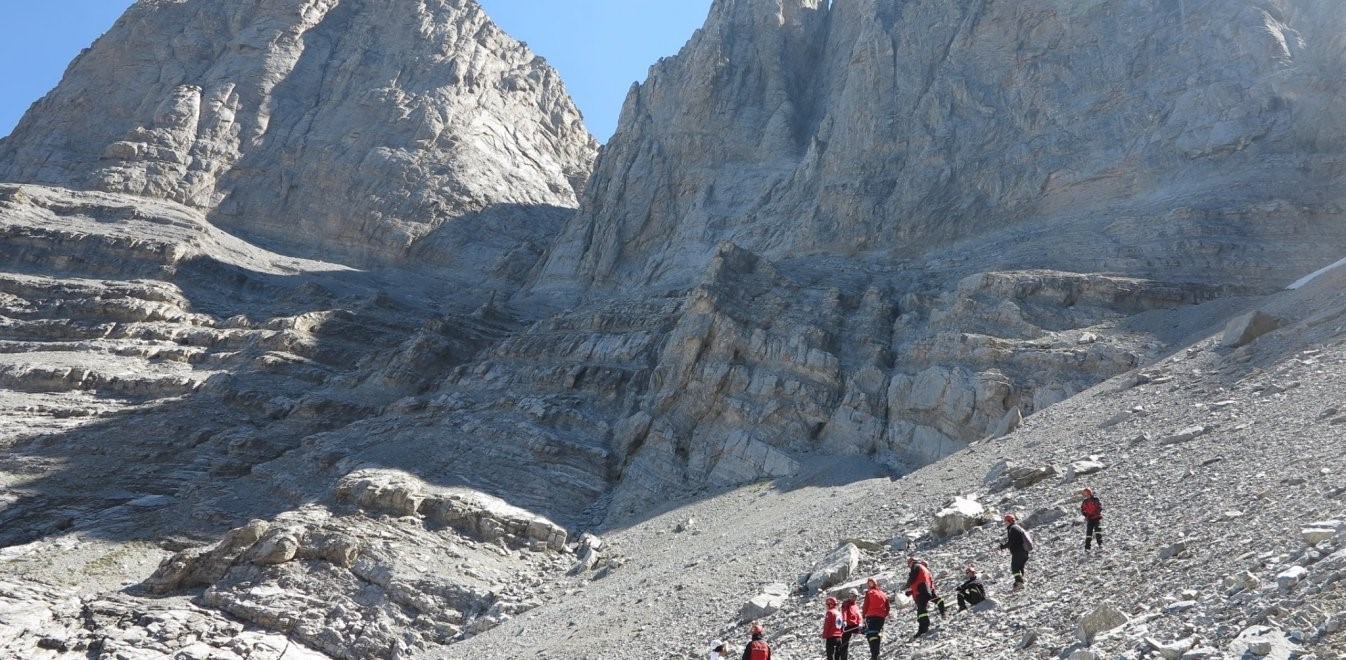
(905, 225)
(352, 128)
(830, 240)
(888, 128)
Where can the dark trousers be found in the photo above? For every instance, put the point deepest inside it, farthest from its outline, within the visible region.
(873, 633)
(964, 602)
(845, 651)
(1018, 561)
(1093, 531)
(923, 601)
(834, 648)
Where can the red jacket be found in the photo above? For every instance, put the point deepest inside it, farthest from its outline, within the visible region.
(757, 650)
(920, 575)
(832, 623)
(850, 613)
(1092, 509)
(876, 603)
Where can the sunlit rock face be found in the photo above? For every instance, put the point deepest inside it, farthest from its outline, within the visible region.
(1139, 137)
(305, 349)
(898, 227)
(351, 129)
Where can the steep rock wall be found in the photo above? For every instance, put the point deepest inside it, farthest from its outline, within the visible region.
(891, 127)
(767, 368)
(346, 127)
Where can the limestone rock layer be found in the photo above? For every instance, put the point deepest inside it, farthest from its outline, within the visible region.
(1141, 137)
(831, 241)
(351, 128)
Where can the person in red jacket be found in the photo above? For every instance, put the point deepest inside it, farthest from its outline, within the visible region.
(921, 588)
(1092, 510)
(833, 623)
(850, 613)
(757, 649)
(875, 611)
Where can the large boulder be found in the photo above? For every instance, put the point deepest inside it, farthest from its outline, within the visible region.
(1177, 549)
(489, 518)
(1324, 530)
(1172, 650)
(1245, 329)
(1101, 619)
(1007, 473)
(963, 514)
(1288, 578)
(199, 567)
(1262, 642)
(279, 545)
(1044, 517)
(764, 604)
(833, 569)
(1084, 467)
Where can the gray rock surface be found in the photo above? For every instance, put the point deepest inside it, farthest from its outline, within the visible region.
(842, 263)
(1263, 642)
(1248, 327)
(961, 515)
(1173, 650)
(1042, 517)
(833, 569)
(1099, 620)
(1264, 442)
(272, 117)
(874, 127)
(764, 604)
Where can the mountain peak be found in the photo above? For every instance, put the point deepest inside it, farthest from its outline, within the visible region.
(351, 128)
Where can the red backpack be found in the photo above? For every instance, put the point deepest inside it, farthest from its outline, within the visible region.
(758, 650)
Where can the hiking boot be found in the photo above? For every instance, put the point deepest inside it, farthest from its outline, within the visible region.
(1018, 586)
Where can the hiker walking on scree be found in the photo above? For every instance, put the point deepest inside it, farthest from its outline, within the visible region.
(833, 623)
(971, 591)
(757, 649)
(875, 611)
(1092, 510)
(850, 614)
(921, 588)
(1019, 543)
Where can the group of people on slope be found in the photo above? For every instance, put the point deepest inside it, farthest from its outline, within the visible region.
(843, 620)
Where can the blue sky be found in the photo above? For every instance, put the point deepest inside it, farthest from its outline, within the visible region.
(599, 46)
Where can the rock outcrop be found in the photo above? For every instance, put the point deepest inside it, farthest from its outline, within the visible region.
(352, 129)
(831, 241)
(1248, 327)
(319, 574)
(1148, 140)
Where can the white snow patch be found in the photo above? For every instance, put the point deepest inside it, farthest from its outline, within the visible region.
(1311, 276)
